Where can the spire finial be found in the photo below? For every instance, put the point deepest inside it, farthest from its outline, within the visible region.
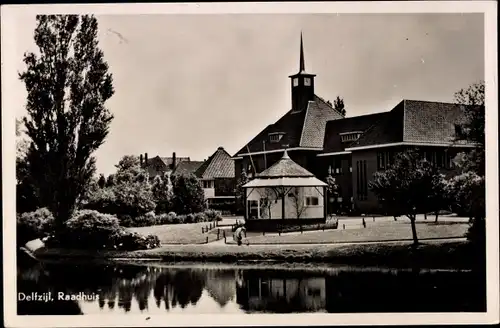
(285, 154)
(302, 64)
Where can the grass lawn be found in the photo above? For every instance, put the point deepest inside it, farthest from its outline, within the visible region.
(374, 232)
(179, 233)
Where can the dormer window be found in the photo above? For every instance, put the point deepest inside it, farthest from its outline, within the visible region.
(275, 137)
(295, 81)
(307, 82)
(350, 136)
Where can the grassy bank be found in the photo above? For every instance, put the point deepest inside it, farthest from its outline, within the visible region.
(373, 232)
(428, 255)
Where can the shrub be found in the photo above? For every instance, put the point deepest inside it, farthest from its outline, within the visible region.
(213, 215)
(181, 219)
(92, 230)
(143, 221)
(189, 218)
(128, 241)
(32, 225)
(88, 229)
(200, 217)
(126, 220)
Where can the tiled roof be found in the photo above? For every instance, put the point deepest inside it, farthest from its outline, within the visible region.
(219, 165)
(169, 160)
(186, 168)
(333, 142)
(285, 167)
(414, 121)
(312, 121)
(318, 114)
(431, 122)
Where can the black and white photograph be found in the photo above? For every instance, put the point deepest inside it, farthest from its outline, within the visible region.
(241, 164)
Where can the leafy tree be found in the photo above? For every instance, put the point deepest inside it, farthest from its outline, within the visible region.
(130, 170)
(68, 85)
(338, 104)
(102, 181)
(26, 198)
(131, 198)
(405, 187)
(162, 193)
(111, 180)
(240, 191)
(188, 195)
(332, 188)
(468, 189)
(472, 127)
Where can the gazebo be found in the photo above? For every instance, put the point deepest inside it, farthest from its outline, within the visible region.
(284, 194)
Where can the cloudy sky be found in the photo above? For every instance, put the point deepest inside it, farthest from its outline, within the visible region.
(192, 83)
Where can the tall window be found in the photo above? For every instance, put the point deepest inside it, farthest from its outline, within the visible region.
(362, 183)
(438, 158)
(337, 166)
(253, 209)
(384, 160)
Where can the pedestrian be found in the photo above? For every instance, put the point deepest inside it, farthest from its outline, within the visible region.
(364, 223)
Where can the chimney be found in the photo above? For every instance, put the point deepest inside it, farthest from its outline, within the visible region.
(146, 159)
(140, 159)
(174, 159)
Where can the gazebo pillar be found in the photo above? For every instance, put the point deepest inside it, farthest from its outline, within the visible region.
(283, 204)
(325, 202)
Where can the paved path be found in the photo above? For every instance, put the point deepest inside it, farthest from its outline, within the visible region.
(220, 242)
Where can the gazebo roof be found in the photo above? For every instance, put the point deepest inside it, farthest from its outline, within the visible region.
(283, 173)
(285, 168)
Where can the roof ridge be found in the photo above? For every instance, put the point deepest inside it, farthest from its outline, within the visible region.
(304, 124)
(324, 102)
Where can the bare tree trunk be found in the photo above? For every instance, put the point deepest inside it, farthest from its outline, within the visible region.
(425, 216)
(412, 218)
(437, 215)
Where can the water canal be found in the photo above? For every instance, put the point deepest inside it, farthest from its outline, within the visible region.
(158, 288)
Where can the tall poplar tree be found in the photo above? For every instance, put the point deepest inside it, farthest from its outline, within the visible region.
(68, 84)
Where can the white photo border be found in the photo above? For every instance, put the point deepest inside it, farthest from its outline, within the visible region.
(489, 8)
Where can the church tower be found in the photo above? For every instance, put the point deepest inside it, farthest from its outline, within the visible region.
(302, 84)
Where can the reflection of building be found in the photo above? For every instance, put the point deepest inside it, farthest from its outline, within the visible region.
(276, 294)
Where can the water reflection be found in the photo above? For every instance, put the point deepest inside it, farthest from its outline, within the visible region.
(124, 289)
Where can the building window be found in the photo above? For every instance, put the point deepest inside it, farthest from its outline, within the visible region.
(295, 82)
(384, 160)
(208, 184)
(459, 132)
(312, 201)
(449, 160)
(337, 166)
(275, 137)
(437, 158)
(307, 81)
(362, 183)
(350, 136)
(253, 209)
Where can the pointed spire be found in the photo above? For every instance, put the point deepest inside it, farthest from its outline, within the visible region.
(302, 67)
